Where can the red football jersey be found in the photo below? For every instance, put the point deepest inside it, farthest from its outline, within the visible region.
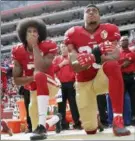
(66, 73)
(26, 59)
(123, 56)
(85, 42)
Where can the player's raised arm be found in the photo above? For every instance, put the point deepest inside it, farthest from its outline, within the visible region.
(43, 61)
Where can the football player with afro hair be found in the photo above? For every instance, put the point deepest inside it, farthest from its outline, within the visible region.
(33, 68)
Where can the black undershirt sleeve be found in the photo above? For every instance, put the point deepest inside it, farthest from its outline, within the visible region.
(97, 53)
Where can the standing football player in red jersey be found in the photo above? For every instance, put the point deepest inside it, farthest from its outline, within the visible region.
(33, 68)
(94, 53)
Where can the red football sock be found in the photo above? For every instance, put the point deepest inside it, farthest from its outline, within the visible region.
(41, 82)
(116, 86)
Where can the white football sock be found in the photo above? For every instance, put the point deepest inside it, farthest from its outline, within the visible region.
(43, 101)
(52, 121)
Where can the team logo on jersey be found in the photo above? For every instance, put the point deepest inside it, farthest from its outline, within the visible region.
(104, 34)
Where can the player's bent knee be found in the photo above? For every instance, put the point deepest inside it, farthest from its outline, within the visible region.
(39, 75)
(90, 125)
(110, 65)
(41, 82)
(88, 118)
(90, 132)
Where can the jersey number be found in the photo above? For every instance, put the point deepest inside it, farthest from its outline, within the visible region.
(30, 66)
(85, 49)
